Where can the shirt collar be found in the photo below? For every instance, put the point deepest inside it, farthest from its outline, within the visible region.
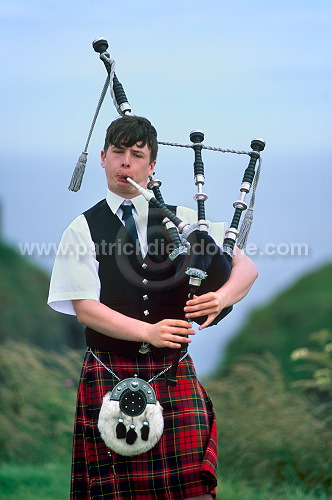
(114, 201)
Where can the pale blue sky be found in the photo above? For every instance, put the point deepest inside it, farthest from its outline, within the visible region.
(234, 69)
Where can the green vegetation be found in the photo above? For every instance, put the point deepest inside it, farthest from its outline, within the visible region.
(37, 394)
(35, 482)
(286, 323)
(51, 482)
(273, 395)
(23, 310)
(269, 432)
(318, 362)
(237, 489)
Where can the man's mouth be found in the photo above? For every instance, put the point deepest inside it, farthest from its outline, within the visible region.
(123, 178)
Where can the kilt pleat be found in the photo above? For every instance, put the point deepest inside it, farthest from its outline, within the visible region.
(184, 462)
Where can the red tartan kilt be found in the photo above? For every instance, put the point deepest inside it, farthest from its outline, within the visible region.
(184, 462)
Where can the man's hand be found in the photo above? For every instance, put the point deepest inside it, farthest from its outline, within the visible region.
(166, 333)
(209, 304)
(169, 333)
(243, 275)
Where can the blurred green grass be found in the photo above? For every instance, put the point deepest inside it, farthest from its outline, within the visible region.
(51, 482)
(35, 482)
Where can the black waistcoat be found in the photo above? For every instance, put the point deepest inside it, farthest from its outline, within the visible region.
(149, 289)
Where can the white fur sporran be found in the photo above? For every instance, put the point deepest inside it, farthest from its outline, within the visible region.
(130, 419)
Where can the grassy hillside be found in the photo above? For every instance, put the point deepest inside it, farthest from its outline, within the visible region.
(286, 322)
(37, 393)
(23, 310)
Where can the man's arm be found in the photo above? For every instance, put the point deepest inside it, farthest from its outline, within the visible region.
(165, 333)
(243, 275)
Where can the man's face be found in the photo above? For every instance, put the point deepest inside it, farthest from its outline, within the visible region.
(120, 163)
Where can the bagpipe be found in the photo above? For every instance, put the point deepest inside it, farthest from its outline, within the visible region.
(186, 237)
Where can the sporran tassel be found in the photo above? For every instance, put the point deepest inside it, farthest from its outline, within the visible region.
(131, 435)
(145, 431)
(121, 430)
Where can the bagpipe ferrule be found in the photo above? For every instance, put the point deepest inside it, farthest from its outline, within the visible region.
(194, 282)
(194, 273)
(154, 183)
(168, 224)
(240, 204)
(232, 233)
(200, 196)
(125, 108)
(245, 187)
(203, 225)
(183, 226)
(179, 250)
(199, 179)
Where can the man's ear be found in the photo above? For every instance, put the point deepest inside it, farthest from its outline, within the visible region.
(151, 169)
(102, 157)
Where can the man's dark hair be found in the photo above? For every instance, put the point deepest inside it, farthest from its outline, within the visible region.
(129, 130)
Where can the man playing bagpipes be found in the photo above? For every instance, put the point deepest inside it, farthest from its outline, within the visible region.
(136, 437)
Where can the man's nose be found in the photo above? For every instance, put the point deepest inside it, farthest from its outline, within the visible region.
(126, 159)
